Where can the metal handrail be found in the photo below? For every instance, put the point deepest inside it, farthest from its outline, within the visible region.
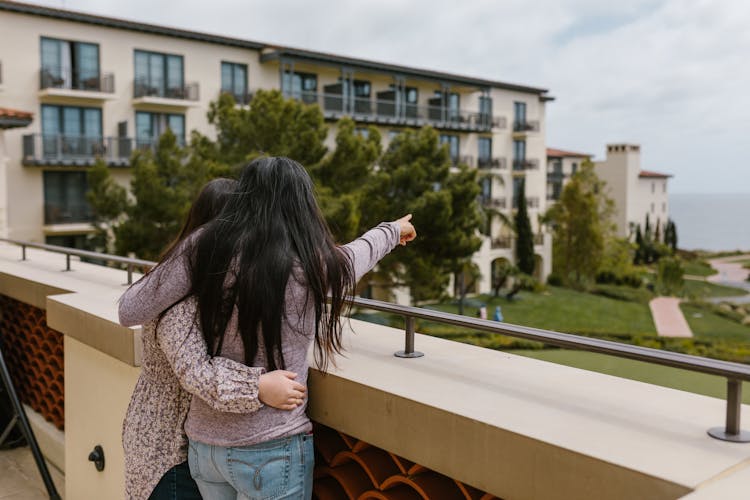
(735, 373)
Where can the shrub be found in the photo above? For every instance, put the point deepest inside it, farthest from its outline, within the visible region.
(669, 276)
(554, 280)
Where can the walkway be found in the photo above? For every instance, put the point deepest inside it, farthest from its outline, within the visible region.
(731, 273)
(668, 318)
(20, 479)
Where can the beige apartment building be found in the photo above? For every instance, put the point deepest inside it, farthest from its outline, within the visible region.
(637, 193)
(101, 87)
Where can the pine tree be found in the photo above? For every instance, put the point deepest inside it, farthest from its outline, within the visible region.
(108, 201)
(524, 235)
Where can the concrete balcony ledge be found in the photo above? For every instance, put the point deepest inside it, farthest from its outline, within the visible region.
(516, 427)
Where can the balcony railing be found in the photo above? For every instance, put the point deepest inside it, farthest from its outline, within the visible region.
(526, 126)
(501, 242)
(538, 239)
(387, 111)
(143, 87)
(734, 373)
(239, 98)
(492, 202)
(46, 149)
(520, 165)
(75, 79)
(491, 163)
(531, 202)
(56, 213)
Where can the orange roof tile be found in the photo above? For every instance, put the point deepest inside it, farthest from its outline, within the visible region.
(13, 113)
(560, 153)
(648, 173)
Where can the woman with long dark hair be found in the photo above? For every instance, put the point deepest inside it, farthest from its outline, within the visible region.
(266, 282)
(154, 440)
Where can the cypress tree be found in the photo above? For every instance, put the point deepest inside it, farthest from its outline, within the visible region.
(639, 257)
(524, 236)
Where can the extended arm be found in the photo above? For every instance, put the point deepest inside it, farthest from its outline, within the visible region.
(372, 246)
(223, 384)
(163, 286)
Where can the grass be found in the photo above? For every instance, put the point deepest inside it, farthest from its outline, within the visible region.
(566, 310)
(703, 289)
(698, 268)
(711, 326)
(665, 376)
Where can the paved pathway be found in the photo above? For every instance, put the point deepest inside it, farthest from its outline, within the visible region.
(668, 318)
(731, 273)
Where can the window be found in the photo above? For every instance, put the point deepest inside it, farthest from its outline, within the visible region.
(664, 187)
(555, 168)
(519, 155)
(519, 114)
(406, 99)
(302, 86)
(159, 75)
(450, 101)
(69, 65)
(234, 81)
(69, 131)
(65, 198)
(486, 185)
(150, 126)
(68, 240)
(485, 148)
(392, 134)
(453, 145)
(363, 132)
(574, 168)
(653, 187)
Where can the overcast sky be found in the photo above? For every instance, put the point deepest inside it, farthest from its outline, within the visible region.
(671, 75)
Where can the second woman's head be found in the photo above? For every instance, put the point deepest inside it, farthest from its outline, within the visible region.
(270, 226)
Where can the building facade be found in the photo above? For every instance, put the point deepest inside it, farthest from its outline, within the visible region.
(561, 165)
(101, 87)
(639, 195)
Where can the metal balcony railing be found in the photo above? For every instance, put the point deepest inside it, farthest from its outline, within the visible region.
(522, 164)
(492, 202)
(76, 79)
(392, 112)
(491, 163)
(526, 126)
(143, 87)
(75, 149)
(531, 202)
(735, 373)
(56, 213)
(240, 98)
(501, 242)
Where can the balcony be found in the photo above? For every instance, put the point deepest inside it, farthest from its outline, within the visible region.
(522, 165)
(386, 110)
(146, 93)
(55, 213)
(502, 242)
(493, 202)
(532, 202)
(538, 239)
(72, 84)
(506, 425)
(522, 128)
(491, 163)
(65, 150)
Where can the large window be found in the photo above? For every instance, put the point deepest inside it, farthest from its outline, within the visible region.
(150, 126)
(69, 65)
(302, 86)
(159, 75)
(519, 155)
(234, 81)
(519, 115)
(485, 151)
(453, 145)
(69, 131)
(485, 111)
(65, 198)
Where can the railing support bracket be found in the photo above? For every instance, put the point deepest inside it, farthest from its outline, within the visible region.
(732, 432)
(409, 351)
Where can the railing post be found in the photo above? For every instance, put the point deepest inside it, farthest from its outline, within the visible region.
(732, 431)
(23, 252)
(409, 351)
(67, 262)
(130, 274)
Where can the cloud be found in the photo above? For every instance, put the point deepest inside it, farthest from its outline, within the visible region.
(669, 74)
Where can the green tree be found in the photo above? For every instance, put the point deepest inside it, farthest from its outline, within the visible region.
(524, 235)
(341, 176)
(270, 125)
(582, 223)
(415, 176)
(108, 201)
(670, 276)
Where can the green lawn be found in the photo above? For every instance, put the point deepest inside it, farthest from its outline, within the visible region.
(698, 268)
(566, 310)
(665, 376)
(700, 289)
(710, 326)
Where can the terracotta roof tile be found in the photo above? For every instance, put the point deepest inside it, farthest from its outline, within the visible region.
(648, 173)
(561, 153)
(14, 113)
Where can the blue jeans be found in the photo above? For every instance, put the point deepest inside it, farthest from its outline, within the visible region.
(176, 484)
(281, 468)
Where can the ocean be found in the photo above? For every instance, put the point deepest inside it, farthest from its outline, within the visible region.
(711, 221)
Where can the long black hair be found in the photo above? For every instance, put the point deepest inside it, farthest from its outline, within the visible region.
(245, 257)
